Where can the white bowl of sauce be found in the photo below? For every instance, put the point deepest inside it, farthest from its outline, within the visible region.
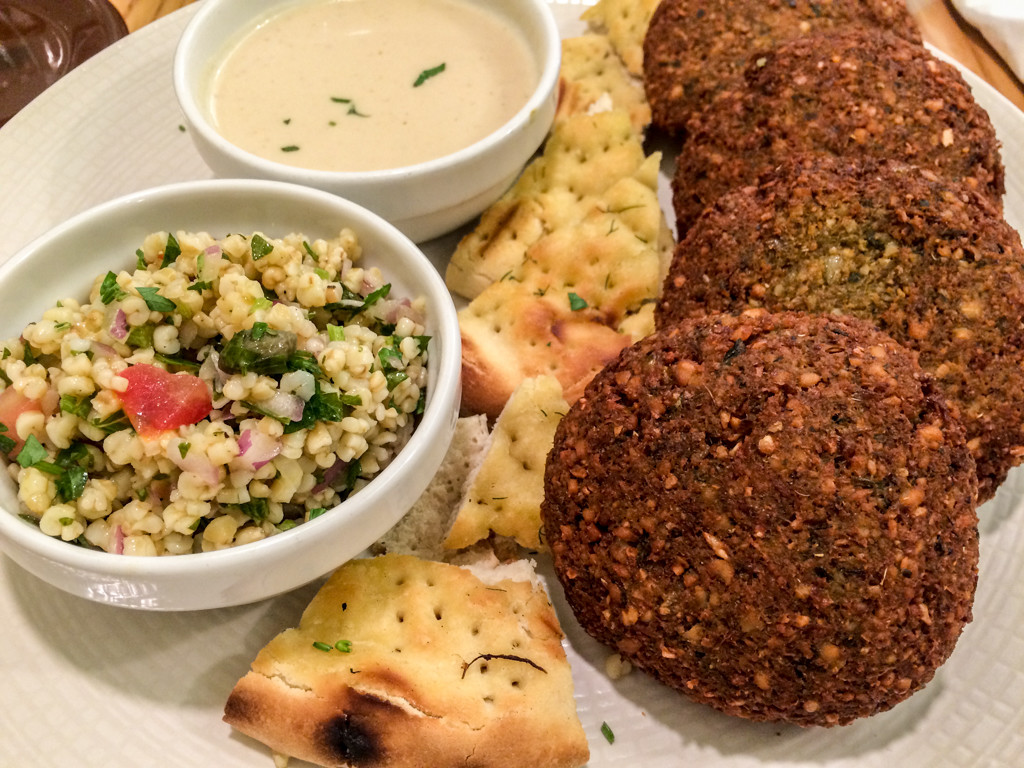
(423, 111)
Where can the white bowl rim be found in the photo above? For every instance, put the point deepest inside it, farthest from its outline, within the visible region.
(189, 103)
(432, 424)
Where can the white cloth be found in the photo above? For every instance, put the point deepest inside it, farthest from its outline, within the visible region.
(1002, 24)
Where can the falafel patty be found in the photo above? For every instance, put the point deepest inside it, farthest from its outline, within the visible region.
(694, 48)
(773, 514)
(854, 93)
(929, 261)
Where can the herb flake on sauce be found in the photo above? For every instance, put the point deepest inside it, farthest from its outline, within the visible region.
(426, 74)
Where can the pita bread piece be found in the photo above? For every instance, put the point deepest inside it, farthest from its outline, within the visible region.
(583, 157)
(567, 310)
(437, 668)
(593, 79)
(422, 531)
(625, 23)
(505, 492)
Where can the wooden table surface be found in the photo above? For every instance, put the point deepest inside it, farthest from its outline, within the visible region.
(939, 22)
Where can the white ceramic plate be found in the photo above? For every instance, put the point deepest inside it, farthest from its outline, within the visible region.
(89, 685)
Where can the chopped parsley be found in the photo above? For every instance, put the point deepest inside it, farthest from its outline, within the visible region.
(154, 300)
(69, 468)
(256, 509)
(259, 247)
(110, 291)
(426, 74)
(606, 731)
(576, 302)
(171, 252)
(352, 109)
(76, 406)
(290, 148)
(7, 443)
(32, 452)
(343, 646)
(115, 422)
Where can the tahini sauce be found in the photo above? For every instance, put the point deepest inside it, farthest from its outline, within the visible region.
(330, 85)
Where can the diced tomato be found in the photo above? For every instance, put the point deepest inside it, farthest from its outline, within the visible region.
(12, 405)
(156, 400)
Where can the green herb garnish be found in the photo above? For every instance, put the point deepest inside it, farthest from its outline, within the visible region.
(266, 354)
(395, 378)
(76, 406)
(426, 74)
(71, 483)
(155, 301)
(32, 452)
(256, 509)
(606, 731)
(290, 148)
(110, 291)
(183, 448)
(576, 303)
(355, 469)
(345, 646)
(261, 303)
(321, 646)
(322, 406)
(335, 333)
(6, 443)
(115, 422)
(171, 252)
(316, 512)
(259, 247)
(140, 336)
(176, 361)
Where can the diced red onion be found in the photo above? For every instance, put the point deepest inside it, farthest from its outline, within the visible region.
(405, 309)
(116, 544)
(195, 462)
(330, 475)
(119, 328)
(103, 350)
(210, 250)
(257, 448)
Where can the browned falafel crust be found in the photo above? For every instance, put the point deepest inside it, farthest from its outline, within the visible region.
(927, 260)
(694, 48)
(773, 514)
(853, 93)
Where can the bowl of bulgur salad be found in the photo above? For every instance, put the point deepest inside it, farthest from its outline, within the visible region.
(217, 391)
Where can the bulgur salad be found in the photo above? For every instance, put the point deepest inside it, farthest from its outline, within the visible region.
(223, 391)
